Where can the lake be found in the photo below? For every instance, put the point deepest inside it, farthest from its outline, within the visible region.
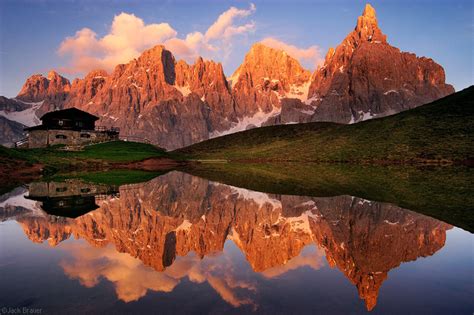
(181, 243)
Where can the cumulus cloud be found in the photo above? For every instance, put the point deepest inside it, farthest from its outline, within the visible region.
(129, 36)
(311, 57)
(223, 26)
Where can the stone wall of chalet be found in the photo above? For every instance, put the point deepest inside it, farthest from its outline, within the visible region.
(44, 138)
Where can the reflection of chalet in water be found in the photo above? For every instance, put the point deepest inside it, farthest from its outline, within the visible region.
(70, 126)
(71, 198)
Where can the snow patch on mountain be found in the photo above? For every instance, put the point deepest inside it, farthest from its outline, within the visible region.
(184, 226)
(299, 91)
(26, 117)
(256, 120)
(362, 117)
(300, 223)
(185, 90)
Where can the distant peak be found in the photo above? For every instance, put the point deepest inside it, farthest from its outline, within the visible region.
(52, 74)
(259, 47)
(97, 73)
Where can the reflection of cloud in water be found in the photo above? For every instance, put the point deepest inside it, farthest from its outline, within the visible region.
(132, 279)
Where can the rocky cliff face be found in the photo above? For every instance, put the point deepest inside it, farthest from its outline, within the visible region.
(265, 77)
(365, 77)
(10, 131)
(83, 90)
(206, 79)
(175, 214)
(173, 104)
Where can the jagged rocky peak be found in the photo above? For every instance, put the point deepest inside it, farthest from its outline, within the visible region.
(362, 78)
(55, 78)
(83, 90)
(141, 98)
(34, 89)
(265, 77)
(38, 88)
(132, 86)
(367, 28)
(207, 80)
(158, 60)
(270, 68)
(202, 76)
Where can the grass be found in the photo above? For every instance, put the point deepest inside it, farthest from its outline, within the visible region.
(441, 131)
(113, 177)
(120, 151)
(445, 193)
(109, 152)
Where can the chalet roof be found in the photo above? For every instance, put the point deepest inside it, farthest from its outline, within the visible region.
(39, 127)
(69, 113)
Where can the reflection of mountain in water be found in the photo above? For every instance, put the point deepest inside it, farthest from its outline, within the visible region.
(175, 214)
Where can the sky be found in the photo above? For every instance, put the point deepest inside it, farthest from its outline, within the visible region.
(73, 37)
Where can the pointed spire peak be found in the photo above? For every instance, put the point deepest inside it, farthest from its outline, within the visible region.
(367, 28)
(369, 11)
(368, 16)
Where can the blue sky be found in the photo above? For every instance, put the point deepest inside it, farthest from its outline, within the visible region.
(31, 32)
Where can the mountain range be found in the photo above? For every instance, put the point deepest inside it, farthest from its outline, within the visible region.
(173, 104)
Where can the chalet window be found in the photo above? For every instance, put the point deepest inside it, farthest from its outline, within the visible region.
(60, 122)
(79, 123)
(85, 135)
(61, 203)
(61, 189)
(61, 137)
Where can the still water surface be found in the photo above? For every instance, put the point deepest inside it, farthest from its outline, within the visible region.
(183, 244)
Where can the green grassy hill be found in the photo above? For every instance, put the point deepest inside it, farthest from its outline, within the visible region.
(436, 132)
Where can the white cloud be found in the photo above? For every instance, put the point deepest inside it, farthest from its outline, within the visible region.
(129, 36)
(311, 56)
(223, 26)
